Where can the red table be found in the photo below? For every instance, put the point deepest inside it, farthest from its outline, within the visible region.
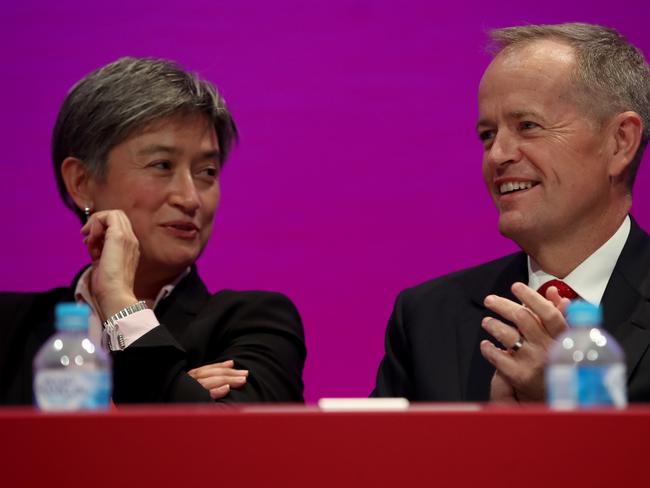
(301, 446)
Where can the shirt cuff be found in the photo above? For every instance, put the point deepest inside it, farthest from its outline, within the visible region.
(136, 325)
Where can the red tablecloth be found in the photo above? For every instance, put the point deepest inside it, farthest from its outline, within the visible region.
(301, 446)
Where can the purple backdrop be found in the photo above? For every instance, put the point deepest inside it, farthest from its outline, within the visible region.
(358, 172)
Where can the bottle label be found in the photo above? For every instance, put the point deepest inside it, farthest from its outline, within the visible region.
(60, 389)
(570, 387)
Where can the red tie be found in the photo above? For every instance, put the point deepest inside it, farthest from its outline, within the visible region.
(563, 289)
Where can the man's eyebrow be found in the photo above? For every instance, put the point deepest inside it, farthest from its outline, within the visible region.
(520, 114)
(482, 122)
(517, 115)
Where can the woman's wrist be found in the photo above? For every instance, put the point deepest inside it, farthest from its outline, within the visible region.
(114, 303)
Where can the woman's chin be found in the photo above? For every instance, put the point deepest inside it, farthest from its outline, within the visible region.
(168, 265)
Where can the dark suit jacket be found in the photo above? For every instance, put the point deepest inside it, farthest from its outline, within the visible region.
(260, 331)
(433, 336)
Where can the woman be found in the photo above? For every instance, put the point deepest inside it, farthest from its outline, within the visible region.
(137, 150)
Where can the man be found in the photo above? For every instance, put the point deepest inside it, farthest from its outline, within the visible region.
(564, 120)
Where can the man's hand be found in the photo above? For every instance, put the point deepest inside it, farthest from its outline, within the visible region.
(538, 322)
(219, 378)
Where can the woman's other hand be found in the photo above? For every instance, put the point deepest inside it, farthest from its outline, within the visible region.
(219, 378)
(115, 252)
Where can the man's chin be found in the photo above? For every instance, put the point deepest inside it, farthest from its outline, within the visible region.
(514, 227)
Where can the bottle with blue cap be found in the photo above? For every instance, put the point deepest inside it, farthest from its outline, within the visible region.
(70, 371)
(586, 366)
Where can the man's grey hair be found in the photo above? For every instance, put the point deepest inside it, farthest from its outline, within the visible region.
(110, 104)
(611, 75)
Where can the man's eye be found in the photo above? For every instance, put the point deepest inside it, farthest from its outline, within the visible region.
(527, 125)
(486, 135)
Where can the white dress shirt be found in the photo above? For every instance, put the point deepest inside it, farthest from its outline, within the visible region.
(590, 278)
(131, 327)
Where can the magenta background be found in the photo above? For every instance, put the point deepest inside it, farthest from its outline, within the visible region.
(358, 172)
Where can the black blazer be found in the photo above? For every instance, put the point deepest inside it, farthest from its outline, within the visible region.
(260, 331)
(433, 336)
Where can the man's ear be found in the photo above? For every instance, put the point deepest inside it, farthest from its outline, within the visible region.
(78, 181)
(627, 128)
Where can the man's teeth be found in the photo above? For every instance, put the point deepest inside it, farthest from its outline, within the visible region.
(515, 185)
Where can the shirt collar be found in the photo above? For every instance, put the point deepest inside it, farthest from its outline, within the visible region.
(82, 290)
(590, 278)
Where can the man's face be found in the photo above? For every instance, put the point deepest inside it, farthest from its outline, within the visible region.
(165, 178)
(544, 160)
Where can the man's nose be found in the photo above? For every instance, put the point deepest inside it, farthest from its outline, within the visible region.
(504, 149)
(184, 194)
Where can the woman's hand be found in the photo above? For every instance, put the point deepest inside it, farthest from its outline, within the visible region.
(115, 252)
(219, 378)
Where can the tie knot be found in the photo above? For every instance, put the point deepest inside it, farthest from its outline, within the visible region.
(563, 289)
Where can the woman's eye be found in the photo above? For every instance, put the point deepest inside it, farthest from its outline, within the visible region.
(161, 165)
(209, 171)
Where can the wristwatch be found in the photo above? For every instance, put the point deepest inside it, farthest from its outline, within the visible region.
(115, 338)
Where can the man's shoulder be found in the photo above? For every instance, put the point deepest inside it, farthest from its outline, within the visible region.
(476, 281)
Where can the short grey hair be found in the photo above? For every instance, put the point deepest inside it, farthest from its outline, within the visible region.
(609, 69)
(110, 104)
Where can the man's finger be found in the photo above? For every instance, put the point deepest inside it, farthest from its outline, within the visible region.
(528, 324)
(500, 359)
(551, 317)
(503, 333)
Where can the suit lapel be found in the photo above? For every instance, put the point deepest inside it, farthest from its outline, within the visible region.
(626, 305)
(475, 371)
(182, 306)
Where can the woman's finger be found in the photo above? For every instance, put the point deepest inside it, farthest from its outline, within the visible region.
(218, 381)
(217, 393)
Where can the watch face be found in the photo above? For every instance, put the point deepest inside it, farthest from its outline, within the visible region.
(111, 326)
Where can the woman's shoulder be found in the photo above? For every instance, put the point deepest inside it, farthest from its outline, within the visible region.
(250, 299)
(12, 302)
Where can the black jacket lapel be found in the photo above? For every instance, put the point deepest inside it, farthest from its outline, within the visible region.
(476, 378)
(626, 306)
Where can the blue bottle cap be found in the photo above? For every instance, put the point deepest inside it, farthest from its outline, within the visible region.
(72, 316)
(583, 314)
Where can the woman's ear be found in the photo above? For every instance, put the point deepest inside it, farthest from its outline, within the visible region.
(627, 136)
(78, 181)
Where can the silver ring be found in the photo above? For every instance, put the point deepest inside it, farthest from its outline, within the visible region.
(518, 344)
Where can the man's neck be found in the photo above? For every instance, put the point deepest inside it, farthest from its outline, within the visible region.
(563, 253)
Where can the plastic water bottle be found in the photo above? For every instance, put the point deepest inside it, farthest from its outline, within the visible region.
(70, 372)
(586, 367)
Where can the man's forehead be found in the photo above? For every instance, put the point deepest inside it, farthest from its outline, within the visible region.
(535, 56)
(539, 65)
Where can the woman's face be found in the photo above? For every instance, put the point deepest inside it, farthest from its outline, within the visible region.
(165, 177)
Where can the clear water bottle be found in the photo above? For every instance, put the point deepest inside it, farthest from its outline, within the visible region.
(586, 367)
(70, 372)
